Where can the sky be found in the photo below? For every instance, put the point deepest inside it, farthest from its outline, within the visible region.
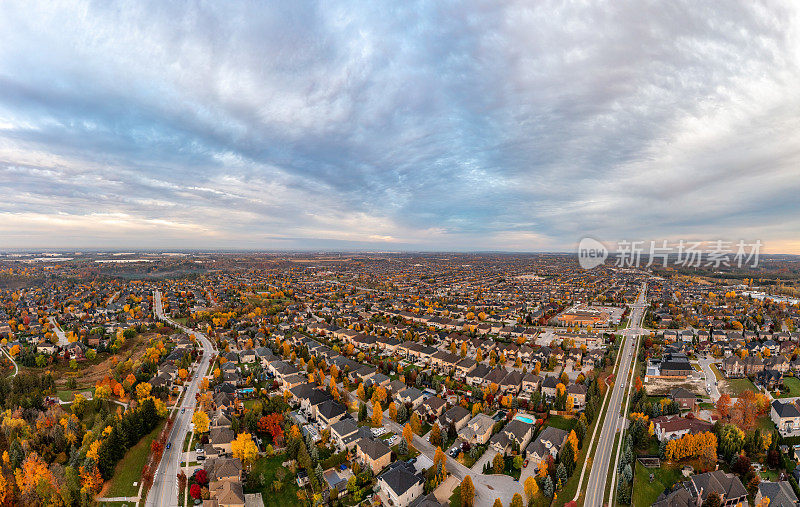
(385, 125)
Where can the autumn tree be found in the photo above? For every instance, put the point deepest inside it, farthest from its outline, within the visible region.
(467, 492)
(377, 414)
(498, 463)
(245, 449)
(436, 435)
(724, 406)
(531, 488)
(408, 433)
(200, 421)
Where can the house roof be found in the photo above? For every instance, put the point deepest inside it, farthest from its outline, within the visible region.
(399, 479)
(780, 493)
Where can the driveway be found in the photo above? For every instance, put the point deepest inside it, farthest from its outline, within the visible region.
(487, 457)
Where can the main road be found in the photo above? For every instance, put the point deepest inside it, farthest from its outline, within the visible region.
(164, 491)
(613, 422)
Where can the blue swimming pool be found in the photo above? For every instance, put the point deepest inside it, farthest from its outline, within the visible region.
(524, 419)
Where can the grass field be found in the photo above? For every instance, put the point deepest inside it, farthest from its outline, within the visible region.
(560, 422)
(737, 386)
(793, 386)
(645, 492)
(716, 371)
(129, 468)
(287, 496)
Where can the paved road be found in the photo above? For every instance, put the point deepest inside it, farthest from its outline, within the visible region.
(16, 367)
(62, 336)
(613, 422)
(711, 378)
(164, 491)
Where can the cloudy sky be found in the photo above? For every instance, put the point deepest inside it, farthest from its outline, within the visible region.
(431, 125)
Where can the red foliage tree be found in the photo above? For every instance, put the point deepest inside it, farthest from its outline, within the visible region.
(201, 477)
(194, 491)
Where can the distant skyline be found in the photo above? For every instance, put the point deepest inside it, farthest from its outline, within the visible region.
(389, 126)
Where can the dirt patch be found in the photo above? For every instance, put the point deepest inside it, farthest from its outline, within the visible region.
(91, 373)
(661, 387)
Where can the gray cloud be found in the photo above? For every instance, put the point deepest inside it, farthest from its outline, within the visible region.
(389, 125)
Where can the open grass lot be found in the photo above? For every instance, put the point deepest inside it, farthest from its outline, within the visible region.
(561, 422)
(716, 371)
(737, 386)
(645, 492)
(129, 468)
(793, 386)
(287, 495)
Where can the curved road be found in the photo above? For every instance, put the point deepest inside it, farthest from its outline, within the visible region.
(164, 491)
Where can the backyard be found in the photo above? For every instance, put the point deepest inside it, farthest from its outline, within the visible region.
(645, 492)
(792, 387)
(266, 472)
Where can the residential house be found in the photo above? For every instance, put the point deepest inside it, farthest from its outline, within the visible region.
(548, 442)
(374, 454)
(401, 485)
(478, 429)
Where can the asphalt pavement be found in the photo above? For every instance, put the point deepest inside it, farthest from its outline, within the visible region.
(164, 491)
(613, 422)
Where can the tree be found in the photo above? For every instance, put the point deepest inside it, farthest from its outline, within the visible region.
(271, 424)
(467, 492)
(200, 421)
(377, 414)
(713, 500)
(498, 463)
(516, 500)
(402, 447)
(245, 449)
(724, 406)
(436, 435)
(143, 390)
(408, 433)
(362, 412)
(194, 491)
(548, 487)
(416, 425)
(531, 487)
(393, 411)
(497, 502)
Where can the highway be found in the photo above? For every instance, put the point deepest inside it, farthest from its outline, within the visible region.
(613, 422)
(164, 491)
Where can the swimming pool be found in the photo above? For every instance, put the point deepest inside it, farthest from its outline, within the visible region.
(524, 419)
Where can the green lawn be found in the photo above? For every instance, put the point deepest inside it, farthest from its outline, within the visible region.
(645, 492)
(268, 467)
(129, 468)
(412, 452)
(737, 386)
(455, 498)
(560, 422)
(793, 386)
